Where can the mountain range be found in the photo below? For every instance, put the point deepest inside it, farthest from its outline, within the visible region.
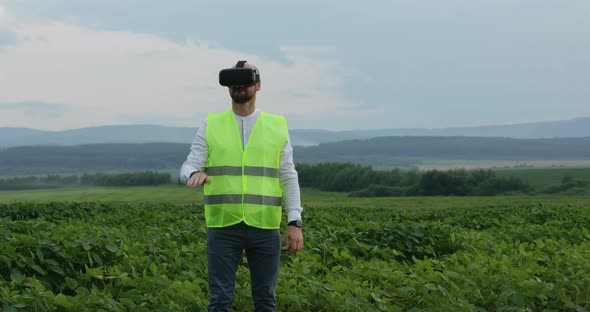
(381, 152)
(11, 137)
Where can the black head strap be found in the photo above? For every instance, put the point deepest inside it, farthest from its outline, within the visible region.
(240, 64)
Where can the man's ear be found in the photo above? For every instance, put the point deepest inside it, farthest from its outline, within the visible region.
(258, 86)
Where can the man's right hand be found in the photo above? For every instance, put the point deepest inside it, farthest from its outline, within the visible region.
(197, 179)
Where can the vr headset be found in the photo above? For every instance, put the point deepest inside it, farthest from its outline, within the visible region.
(239, 76)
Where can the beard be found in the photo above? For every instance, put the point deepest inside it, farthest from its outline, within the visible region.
(241, 95)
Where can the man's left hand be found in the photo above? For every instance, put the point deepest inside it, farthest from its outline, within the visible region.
(294, 238)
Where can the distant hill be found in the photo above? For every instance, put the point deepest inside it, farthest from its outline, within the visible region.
(573, 128)
(42, 160)
(10, 137)
(380, 152)
(459, 148)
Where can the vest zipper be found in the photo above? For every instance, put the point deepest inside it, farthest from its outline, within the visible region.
(243, 136)
(243, 176)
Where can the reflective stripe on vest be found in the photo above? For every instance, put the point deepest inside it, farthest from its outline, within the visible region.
(248, 199)
(248, 170)
(244, 182)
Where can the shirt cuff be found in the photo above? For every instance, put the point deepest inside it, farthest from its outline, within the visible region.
(185, 173)
(293, 215)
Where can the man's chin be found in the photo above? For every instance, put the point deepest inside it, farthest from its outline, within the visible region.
(241, 100)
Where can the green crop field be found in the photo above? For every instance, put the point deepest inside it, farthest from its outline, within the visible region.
(143, 249)
(544, 177)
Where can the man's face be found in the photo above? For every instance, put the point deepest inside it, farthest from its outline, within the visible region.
(241, 95)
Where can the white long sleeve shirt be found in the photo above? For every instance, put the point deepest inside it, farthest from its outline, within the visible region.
(197, 157)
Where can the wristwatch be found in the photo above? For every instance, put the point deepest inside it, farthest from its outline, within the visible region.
(297, 223)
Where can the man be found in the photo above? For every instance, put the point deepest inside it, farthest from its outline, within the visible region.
(244, 159)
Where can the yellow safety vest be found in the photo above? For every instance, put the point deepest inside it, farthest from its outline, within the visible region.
(244, 183)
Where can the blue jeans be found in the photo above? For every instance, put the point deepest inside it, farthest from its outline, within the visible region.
(224, 252)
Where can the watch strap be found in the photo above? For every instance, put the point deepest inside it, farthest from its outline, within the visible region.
(297, 223)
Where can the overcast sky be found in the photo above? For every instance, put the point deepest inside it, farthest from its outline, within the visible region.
(332, 65)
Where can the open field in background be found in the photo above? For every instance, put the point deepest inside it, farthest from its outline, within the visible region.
(441, 164)
(545, 177)
(165, 193)
(143, 249)
(176, 194)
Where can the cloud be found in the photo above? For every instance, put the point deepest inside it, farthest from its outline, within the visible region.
(391, 63)
(7, 36)
(31, 113)
(107, 77)
(309, 86)
(37, 106)
(2, 13)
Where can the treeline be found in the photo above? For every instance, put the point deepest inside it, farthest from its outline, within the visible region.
(569, 186)
(357, 180)
(363, 181)
(97, 179)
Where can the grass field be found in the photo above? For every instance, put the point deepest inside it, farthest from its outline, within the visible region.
(173, 194)
(494, 164)
(165, 193)
(544, 177)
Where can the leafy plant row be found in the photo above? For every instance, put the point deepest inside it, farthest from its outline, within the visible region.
(152, 257)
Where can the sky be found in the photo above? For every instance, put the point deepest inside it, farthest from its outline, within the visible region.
(334, 65)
